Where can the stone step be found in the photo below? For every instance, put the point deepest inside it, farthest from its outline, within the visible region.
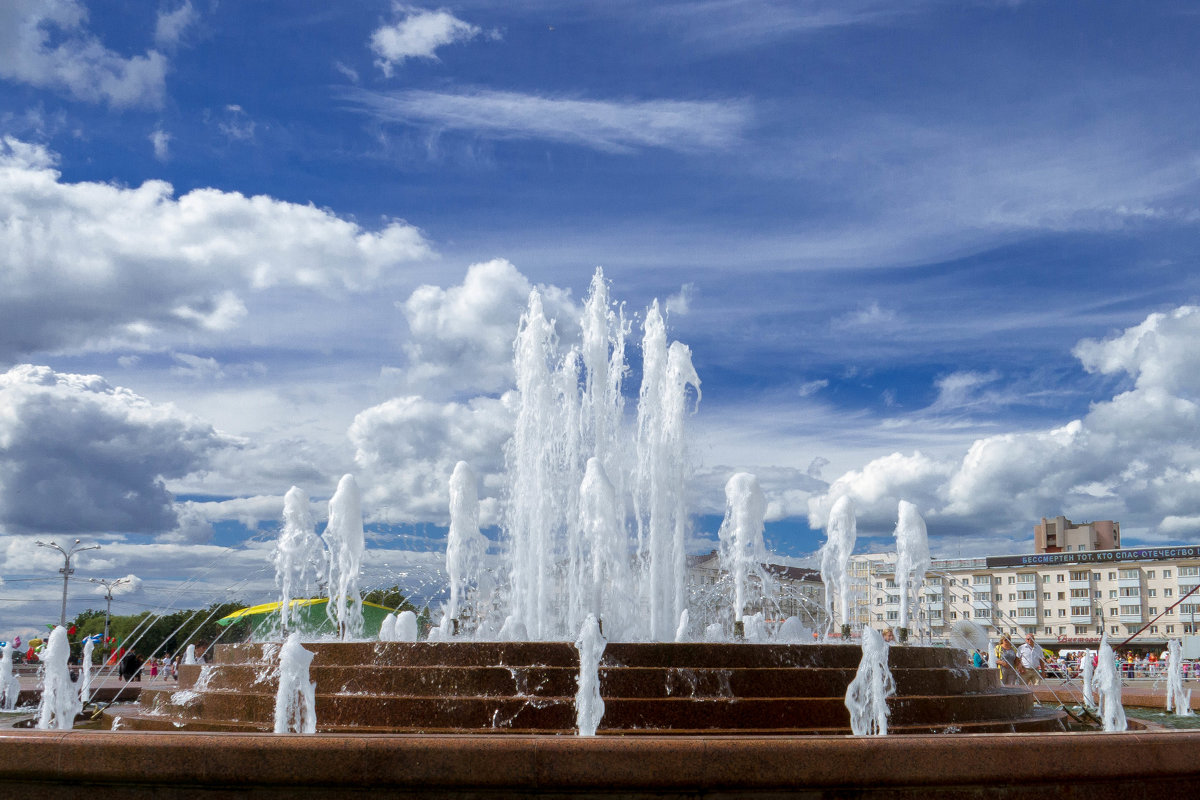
(614, 681)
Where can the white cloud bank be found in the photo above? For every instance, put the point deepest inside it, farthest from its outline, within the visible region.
(91, 264)
(1135, 457)
(46, 43)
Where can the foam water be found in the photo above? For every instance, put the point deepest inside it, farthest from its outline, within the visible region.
(85, 672)
(589, 707)
(60, 702)
(841, 532)
(10, 685)
(606, 586)
(866, 696)
(1177, 699)
(912, 556)
(743, 552)
(297, 555)
(189, 655)
(1087, 667)
(465, 545)
(345, 543)
(295, 701)
(1108, 686)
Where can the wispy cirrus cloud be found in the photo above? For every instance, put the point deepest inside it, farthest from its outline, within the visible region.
(606, 125)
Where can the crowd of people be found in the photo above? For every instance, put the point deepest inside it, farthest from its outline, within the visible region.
(132, 667)
(1029, 663)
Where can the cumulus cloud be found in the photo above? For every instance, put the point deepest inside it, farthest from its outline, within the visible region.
(418, 33)
(46, 43)
(79, 455)
(605, 125)
(90, 264)
(172, 25)
(1133, 457)
(407, 447)
(461, 337)
(120, 587)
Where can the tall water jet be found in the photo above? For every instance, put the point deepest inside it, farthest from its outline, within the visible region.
(1108, 685)
(866, 696)
(85, 672)
(607, 584)
(297, 556)
(1177, 699)
(465, 545)
(10, 685)
(743, 552)
(912, 558)
(841, 532)
(189, 655)
(344, 540)
(295, 701)
(662, 471)
(406, 627)
(530, 456)
(589, 707)
(1087, 669)
(60, 702)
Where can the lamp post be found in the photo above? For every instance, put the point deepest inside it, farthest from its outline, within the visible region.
(108, 585)
(66, 569)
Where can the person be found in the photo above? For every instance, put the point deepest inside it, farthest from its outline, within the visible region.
(1006, 659)
(1032, 660)
(153, 668)
(888, 636)
(977, 658)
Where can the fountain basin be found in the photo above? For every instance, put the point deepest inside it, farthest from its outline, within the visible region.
(529, 687)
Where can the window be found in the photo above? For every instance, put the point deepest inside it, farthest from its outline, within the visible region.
(1080, 630)
(1166, 573)
(1027, 612)
(1168, 593)
(1049, 632)
(1095, 576)
(1189, 572)
(983, 613)
(999, 598)
(1047, 613)
(1011, 580)
(934, 581)
(1112, 593)
(1131, 611)
(981, 597)
(1079, 576)
(982, 580)
(1081, 593)
(1012, 597)
(1081, 611)
(1062, 612)
(1154, 629)
(1060, 578)
(1045, 579)
(878, 601)
(891, 615)
(1062, 595)
(1130, 574)
(953, 615)
(1027, 594)
(1153, 611)
(935, 613)
(1062, 629)
(1149, 574)
(1116, 629)
(1098, 594)
(891, 583)
(1130, 591)
(1045, 595)
(1027, 577)
(1189, 608)
(1112, 576)
(1170, 611)
(1170, 629)
(1151, 592)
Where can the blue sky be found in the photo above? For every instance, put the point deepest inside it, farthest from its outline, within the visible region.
(935, 251)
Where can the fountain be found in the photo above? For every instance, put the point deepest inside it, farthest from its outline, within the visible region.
(1177, 699)
(592, 634)
(295, 700)
(912, 559)
(841, 531)
(60, 700)
(1107, 678)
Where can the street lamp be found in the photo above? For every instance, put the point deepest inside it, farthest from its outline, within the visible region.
(66, 569)
(108, 585)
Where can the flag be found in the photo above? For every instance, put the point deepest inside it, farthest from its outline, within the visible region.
(71, 631)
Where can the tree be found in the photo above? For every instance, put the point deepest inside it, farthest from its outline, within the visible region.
(391, 598)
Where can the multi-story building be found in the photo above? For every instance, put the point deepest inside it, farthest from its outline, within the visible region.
(1060, 535)
(1067, 597)
(798, 591)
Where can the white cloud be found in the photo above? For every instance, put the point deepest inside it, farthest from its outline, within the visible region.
(46, 43)
(120, 587)
(1134, 457)
(868, 316)
(236, 124)
(79, 455)
(679, 304)
(98, 264)
(408, 446)
(172, 25)
(161, 141)
(418, 33)
(461, 337)
(610, 126)
(811, 387)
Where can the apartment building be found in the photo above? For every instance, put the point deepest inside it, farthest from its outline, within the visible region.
(1065, 598)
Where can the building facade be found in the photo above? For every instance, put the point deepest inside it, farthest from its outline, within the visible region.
(1065, 599)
